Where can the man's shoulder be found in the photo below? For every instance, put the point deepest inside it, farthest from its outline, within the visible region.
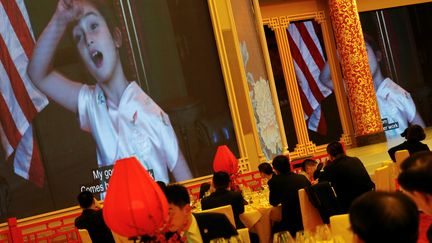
(86, 216)
(234, 193)
(221, 195)
(299, 179)
(205, 200)
(288, 179)
(275, 178)
(209, 201)
(353, 159)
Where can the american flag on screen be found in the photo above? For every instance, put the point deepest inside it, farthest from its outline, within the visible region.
(20, 101)
(308, 58)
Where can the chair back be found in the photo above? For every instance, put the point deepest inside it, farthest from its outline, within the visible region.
(227, 210)
(84, 235)
(310, 214)
(244, 235)
(400, 156)
(341, 227)
(384, 179)
(323, 197)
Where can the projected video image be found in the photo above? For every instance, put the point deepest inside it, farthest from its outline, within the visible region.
(98, 97)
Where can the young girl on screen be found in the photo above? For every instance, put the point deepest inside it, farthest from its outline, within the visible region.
(123, 120)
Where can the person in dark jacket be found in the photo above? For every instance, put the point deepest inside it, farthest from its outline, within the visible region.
(346, 174)
(223, 196)
(284, 188)
(414, 134)
(92, 220)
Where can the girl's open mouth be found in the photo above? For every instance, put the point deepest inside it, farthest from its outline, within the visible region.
(97, 58)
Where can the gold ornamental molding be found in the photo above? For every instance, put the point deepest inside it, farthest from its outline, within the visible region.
(220, 25)
(269, 70)
(279, 24)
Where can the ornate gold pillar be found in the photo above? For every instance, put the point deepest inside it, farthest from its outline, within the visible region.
(355, 67)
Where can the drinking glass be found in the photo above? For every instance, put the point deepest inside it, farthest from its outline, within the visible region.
(233, 239)
(283, 237)
(304, 237)
(323, 233)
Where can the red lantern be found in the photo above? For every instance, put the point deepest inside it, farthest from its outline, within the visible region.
(134, 205)
(225, 160)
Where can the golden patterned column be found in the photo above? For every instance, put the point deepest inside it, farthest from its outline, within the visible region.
(355, 67)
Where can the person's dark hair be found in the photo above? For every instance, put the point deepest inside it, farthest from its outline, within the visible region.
(384, 217)
(221, 180)
(415, 133)
(204, 187)
(108, 13)
(335, 148)
(281, 164)
(107, 9)
(178, 195)
(416, 172)
(308, 162)
(162, 185)
(265, 168)
(85, 199)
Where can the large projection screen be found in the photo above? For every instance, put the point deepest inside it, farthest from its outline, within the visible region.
(174, 110)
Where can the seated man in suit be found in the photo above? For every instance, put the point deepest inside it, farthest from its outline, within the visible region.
(223, 196)
(201, 227)
(92, 220)
(284, 188)
(346, 174)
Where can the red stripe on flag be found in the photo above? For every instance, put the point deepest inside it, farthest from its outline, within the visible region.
(298, 58)
(312, 47)
(8, 124)
(36, 171)
(18, 87)
(19, 25)
(307, 108)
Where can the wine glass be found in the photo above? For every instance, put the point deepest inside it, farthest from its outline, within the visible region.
(304, 237)
(323, 233)
(283, 237)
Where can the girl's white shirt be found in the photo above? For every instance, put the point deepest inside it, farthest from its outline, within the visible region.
(137, 127)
